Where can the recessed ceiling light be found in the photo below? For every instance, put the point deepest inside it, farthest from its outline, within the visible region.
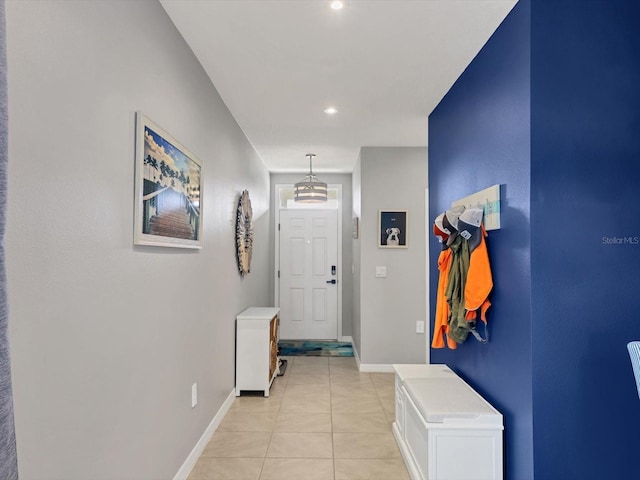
(331, 110)
(337, 5)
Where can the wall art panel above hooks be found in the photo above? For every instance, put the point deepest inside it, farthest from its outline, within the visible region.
(487, 199)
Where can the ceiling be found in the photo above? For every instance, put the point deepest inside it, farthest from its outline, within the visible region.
(384, 64)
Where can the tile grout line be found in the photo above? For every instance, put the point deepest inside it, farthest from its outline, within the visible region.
(333, 443)
(336, 382)
(273, 427)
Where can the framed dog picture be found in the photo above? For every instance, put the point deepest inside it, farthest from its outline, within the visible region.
(393, 228)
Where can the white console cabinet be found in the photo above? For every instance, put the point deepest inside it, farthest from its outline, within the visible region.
(256, 349)
(444, 429)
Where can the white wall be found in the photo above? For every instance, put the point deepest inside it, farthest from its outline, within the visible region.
(392, 178)
(347, 259)
(107, 338)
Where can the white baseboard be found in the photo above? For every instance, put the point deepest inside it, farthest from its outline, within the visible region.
(193, 457)
(346, 338)
(376, 367)
(371, 367)
(355, 354)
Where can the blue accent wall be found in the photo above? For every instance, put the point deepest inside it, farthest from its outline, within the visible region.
(479, 135)
(550, 109)
(585, 189)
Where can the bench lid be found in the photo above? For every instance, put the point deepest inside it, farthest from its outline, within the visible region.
(450, 399)
(422, 370)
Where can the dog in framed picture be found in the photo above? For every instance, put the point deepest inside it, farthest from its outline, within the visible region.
(393, 236)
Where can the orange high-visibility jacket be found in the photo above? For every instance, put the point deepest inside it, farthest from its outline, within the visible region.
(441, 323)
(479, 282)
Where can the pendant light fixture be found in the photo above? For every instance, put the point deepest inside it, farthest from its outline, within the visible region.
(310, 190)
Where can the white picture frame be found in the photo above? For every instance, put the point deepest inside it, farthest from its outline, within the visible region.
(168, 189)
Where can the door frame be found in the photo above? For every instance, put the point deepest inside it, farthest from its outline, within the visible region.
(276, 280)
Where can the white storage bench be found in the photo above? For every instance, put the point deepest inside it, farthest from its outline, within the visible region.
(444, 429)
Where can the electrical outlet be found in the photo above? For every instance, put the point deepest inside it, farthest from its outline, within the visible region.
(420, 326)
(194, 395)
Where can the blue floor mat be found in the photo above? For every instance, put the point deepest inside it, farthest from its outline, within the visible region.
(315, 348)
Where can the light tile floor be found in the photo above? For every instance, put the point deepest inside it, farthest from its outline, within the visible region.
(323, 420)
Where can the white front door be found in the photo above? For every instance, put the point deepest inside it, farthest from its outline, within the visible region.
(308, 275)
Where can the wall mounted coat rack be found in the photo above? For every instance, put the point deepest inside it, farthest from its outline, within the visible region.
(487, 199)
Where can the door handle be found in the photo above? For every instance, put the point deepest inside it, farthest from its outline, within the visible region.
(333, 282)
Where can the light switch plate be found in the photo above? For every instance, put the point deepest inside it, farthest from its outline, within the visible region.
(381, 272)
(419, 326)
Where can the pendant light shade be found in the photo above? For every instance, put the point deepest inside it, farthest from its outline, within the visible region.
(310, 190)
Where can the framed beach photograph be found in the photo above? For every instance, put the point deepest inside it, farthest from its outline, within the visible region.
(393, 228)
(168, 190)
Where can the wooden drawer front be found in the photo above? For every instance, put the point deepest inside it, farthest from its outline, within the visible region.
(273, 346)
(273, 358)
(274, 328)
